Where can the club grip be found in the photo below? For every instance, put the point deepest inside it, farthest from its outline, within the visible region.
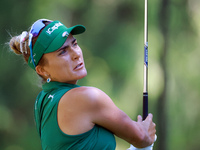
(145, 105)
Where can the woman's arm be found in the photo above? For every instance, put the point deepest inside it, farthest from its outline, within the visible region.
(105, 113)
(81, 108)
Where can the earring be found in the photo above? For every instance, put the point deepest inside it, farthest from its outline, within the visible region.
(48, 80)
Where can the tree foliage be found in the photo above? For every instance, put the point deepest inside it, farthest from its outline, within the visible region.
(113, 52)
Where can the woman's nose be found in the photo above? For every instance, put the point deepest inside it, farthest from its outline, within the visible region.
(76, 53)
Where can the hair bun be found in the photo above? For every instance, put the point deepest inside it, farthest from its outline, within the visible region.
(15, 44)
(18, 43)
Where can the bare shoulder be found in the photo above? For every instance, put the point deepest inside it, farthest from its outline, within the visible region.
(85, 94)
(82, 97)
(86, 91)
(78, 107)
(75, 110)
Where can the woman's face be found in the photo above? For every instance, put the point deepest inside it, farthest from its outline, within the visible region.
(66, 64)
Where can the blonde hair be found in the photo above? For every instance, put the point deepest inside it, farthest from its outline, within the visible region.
(20, 46)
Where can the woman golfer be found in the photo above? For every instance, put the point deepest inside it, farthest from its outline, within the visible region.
(69, 116)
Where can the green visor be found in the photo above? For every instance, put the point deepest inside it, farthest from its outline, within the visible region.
(52, 37)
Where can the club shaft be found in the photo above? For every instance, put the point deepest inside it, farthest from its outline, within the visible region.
(146, 22)
(145, 90)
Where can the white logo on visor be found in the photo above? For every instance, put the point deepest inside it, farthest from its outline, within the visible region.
(65, 34)
(51, 29)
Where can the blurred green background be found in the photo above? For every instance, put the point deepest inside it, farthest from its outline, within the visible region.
(113, 51)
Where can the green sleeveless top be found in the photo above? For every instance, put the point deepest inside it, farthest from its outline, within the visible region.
(52, 138)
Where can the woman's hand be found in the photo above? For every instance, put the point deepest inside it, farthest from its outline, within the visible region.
(148, 127)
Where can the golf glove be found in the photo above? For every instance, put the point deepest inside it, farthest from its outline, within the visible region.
(146, 148)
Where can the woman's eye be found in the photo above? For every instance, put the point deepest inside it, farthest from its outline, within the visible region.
(62, 52)
(75, 43)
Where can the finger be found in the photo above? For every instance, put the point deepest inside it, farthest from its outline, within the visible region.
(139, 118)
(149, 117)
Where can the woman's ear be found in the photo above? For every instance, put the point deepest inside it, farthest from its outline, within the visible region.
(40, 70)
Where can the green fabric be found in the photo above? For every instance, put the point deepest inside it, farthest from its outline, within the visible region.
(52, 37)
(52, 138)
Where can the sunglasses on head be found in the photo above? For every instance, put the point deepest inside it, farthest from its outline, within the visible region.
(35, 30)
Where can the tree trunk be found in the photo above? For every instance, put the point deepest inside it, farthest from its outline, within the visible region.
(161, 105)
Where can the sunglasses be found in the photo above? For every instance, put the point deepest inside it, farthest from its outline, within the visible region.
(35, 30)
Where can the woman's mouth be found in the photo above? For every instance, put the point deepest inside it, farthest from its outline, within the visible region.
(79, 66)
